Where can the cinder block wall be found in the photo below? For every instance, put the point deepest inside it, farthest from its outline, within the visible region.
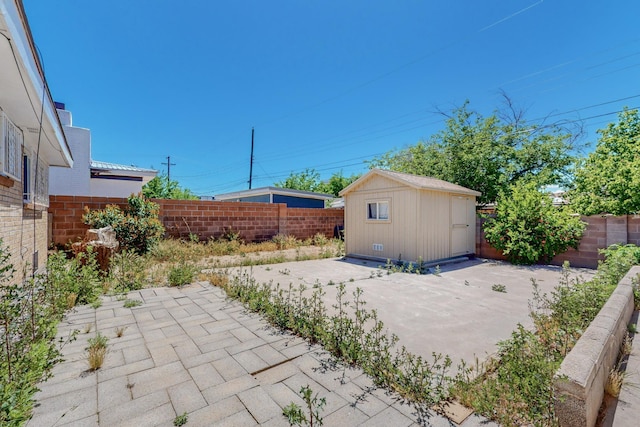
(261, 221)
(601, 231)
(66, 215)
(208, 219)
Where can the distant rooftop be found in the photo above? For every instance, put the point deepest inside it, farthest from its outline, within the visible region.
(116, 167)
(273, 190)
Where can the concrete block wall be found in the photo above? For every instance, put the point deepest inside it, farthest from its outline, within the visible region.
(601, 231)
(579, 383)
(66, 213)
(208, 219)
(23, 229)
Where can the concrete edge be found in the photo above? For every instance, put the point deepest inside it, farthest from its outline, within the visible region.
(580, 380)
(425, 264)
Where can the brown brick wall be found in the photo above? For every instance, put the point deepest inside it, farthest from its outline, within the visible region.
(66, 215)
(208, 219)
(601, 231)
(261, 221)
(23, 229)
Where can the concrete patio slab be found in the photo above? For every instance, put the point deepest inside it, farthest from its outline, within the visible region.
(455, 312)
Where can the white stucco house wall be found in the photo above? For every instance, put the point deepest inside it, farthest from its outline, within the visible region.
(92, 177)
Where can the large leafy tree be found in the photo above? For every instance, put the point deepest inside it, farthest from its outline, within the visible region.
(309, 180)
(488, 154)
(608, 180)
(161, 187)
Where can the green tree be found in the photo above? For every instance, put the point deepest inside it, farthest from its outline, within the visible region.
(337, 183)
(608, 180)
(162, 188)
(527, 228)
(309, 180)
(488, 154)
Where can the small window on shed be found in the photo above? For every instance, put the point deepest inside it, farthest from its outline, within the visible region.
(378, 211)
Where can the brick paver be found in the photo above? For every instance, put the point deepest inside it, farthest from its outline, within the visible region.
(191, 350)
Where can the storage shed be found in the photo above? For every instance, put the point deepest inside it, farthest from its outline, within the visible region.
(398, 216)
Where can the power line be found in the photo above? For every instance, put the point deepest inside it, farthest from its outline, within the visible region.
(322, 168)
(169, 164)
(405, 65)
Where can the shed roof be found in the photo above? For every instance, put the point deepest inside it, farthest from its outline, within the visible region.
(415, 181)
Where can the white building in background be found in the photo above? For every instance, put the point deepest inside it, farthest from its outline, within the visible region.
(91, 177)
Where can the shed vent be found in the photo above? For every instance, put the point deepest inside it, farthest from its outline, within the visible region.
(378, 247)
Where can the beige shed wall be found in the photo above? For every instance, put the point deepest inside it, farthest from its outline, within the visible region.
(420, 222)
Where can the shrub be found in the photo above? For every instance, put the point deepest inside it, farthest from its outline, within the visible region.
(29, 312)
(527, 228)
(517, 388)
(77, 280)
(128, 271)
(181, 275)
(137, 227)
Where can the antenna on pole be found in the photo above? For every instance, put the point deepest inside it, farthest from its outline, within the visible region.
(169, 164)
(251, 161)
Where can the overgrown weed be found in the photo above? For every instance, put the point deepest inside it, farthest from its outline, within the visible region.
(353, 334)
(517, 388)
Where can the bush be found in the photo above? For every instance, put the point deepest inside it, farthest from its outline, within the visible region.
(181, 275)
(29, 312)
(128, 271)
(516, 388)
(527, 228)
(137, 227)
(77, 276)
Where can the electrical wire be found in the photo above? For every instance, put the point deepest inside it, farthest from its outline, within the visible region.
(403, 66)
(35, 183)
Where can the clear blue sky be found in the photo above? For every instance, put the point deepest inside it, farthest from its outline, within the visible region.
(328, 83)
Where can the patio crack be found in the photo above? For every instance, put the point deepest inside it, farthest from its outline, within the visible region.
(259, 371)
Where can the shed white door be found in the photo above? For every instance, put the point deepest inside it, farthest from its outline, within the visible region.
(460, 225)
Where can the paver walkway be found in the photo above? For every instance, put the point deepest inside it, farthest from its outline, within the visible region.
(191, 350)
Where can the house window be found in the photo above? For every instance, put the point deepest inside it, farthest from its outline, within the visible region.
(42, 185)
(35, 181)
(10, 148)
(378, 211)
(27, 181)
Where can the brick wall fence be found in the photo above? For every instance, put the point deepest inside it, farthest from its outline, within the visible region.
(262, 221)
(208, 219)
(601, 231)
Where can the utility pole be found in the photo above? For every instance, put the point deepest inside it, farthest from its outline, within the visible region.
(251, 161)
(169, 164)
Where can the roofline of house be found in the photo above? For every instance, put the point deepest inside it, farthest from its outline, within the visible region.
(66, 150)
(274, 190)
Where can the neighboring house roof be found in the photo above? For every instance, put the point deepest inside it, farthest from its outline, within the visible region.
(274, 190)
(337, 203)
(414, 181)
(114, 167)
